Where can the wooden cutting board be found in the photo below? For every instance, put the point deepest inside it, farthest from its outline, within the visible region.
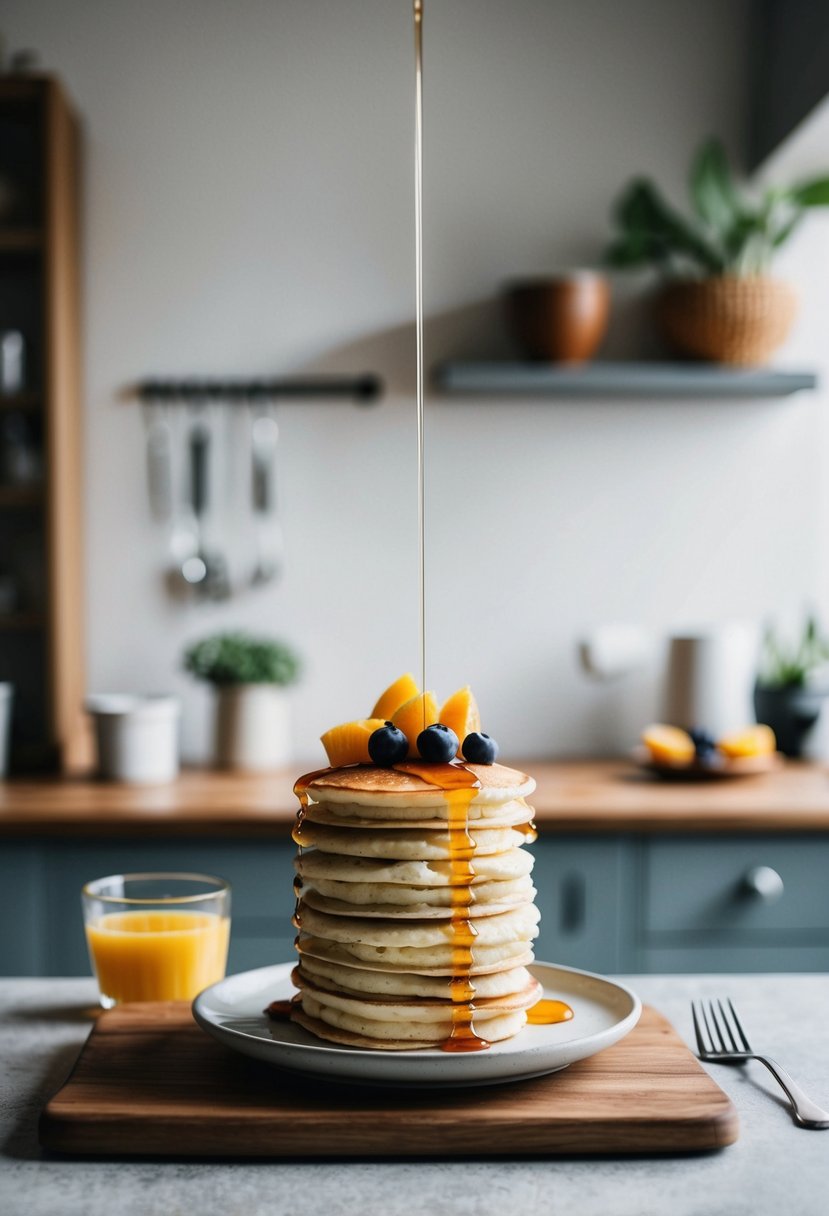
(149, 1081)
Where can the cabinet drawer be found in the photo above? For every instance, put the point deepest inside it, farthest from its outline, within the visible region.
(694, 885)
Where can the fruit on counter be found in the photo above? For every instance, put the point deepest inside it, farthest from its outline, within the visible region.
(704, 743)
(754, 741)
(414, 716)
(348, 744)
(438, 744)
(397, 694)
(388, 745)
(479, 748)
(668, 744)
(460, 713)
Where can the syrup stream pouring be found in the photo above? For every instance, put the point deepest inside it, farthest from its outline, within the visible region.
(421, 461)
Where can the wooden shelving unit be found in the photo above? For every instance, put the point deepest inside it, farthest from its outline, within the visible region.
(665, 381)
(41, 639)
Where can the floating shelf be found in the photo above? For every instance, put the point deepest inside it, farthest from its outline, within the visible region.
(689, 380)
(13, 621)
(21, 496)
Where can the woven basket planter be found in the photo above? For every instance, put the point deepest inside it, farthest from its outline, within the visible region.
(726, 319)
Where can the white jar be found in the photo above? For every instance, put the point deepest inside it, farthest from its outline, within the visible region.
(253, 727)
(137, 736)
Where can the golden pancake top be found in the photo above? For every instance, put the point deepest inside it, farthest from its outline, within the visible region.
(371, 779)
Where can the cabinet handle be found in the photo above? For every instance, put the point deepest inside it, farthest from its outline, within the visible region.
(763, 882)
(573, 900)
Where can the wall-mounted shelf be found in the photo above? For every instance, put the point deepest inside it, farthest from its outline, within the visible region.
(688, 380)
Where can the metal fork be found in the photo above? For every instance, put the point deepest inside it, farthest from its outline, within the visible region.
(721, 1039)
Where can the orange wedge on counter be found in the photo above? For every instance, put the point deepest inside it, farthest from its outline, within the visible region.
(397, 694)
(460, 713)
(413, 717)
(668, 744)
(754, 741)
(348, 744)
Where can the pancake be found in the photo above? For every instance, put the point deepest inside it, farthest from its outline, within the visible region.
(415, 906)
(339, 978)
(405, 844)
(370, 785)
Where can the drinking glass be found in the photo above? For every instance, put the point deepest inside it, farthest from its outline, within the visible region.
(156, 937)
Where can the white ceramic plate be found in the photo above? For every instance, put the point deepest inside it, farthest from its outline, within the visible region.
(604, 1012)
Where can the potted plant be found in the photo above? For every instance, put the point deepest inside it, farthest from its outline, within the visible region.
(792, 684)
(718, 300)
(250, 675)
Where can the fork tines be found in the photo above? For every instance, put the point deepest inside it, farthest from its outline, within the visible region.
(718, 1030)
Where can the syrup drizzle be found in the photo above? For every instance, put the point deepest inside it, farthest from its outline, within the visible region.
(459, 786)
(548, 1012)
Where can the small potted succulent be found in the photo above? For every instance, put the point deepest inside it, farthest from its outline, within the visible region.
(718, 300)
(792, 685)
(250, 675)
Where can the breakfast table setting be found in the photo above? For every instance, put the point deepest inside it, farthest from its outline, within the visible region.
(765, 1162)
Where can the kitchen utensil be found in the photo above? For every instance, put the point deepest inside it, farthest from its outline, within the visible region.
(150, 1081)
(12, 362)
(159, 460)
(268, 531)
(204, 570)
(722, 1040)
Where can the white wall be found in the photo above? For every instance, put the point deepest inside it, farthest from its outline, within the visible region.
(249, 210)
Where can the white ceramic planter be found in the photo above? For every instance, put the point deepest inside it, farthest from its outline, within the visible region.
(6, 702)
(137, 737)
(253, 727)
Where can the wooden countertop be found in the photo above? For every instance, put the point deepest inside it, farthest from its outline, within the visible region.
(572, 796)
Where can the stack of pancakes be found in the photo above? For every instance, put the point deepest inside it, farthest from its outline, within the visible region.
(415, 928)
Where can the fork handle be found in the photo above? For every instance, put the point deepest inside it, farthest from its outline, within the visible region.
(806, 1112)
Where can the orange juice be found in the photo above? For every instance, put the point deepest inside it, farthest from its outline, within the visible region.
(157, 956)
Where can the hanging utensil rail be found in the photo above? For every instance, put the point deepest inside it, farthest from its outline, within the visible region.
(363, 390)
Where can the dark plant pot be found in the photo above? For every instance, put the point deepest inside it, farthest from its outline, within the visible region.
(791, 713)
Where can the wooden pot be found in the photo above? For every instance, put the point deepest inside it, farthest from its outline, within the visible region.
(561, 319)
(726, 319)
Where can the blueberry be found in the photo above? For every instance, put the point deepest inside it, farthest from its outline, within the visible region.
(438, 744)
(705, 743)
(388, 745)
(479, 748)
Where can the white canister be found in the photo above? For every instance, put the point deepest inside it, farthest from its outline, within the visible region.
(6, 702)
(710, 678)
(253, 727)
(137, 736)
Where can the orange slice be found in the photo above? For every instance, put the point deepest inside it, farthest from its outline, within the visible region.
(668, 744)
(413, 717)
(460, 713)
(397, 694)
(348, 744)
(753, 741)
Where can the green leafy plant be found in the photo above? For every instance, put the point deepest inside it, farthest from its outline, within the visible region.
(237, 658)
(791, 665)
(731, 231)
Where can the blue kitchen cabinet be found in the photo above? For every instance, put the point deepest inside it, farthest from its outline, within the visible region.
(608, 901)
(579, 885)
(260, 874)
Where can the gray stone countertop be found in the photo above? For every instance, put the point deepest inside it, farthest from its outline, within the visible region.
(774, 1167)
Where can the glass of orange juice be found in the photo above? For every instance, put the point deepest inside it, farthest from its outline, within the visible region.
(156, 937)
